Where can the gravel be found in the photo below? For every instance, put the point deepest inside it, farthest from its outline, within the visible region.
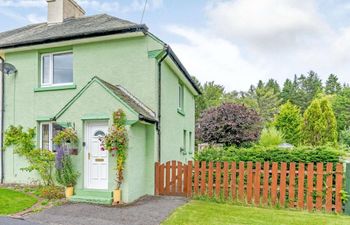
(147, 211)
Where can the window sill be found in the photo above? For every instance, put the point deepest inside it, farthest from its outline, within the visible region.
(55, 88)
(181, 112)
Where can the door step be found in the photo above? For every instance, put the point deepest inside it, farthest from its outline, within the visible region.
(92, 196)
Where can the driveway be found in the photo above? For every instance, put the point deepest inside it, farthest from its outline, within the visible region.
(147, 211)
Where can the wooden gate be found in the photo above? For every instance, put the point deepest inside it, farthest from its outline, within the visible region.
(171, 178)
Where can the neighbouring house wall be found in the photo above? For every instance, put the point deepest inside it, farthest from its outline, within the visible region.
(173, 123)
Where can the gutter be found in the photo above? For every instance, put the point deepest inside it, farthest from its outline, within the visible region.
(2, 117)
(166, 48)
(137, 28)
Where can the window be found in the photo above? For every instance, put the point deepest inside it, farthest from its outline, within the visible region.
(47, 132)
(99, 133)
(57, 69)
(181, 97)
(184, 140)
(190, 142)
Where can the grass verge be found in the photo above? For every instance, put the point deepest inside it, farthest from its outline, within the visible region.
(210, 213)
(13, 201)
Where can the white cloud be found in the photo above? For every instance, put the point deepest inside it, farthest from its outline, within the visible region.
(267, 23)
(23, 3)
(117, 7)
(34, 18)
(213, 58)
(258, 39)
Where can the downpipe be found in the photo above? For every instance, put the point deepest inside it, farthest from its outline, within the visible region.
(160, 101)
(2, 117)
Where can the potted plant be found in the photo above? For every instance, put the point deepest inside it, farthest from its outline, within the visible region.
(67, 138)
(65, 173)
(116, 142)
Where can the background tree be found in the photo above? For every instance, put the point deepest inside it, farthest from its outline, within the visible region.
(332, 85)
(308, 87)
(341, 107)
(229, 124)
(330, 134)
(288, 121)
(212, 96)
(289, 91)
(267, 101)
(273, 84)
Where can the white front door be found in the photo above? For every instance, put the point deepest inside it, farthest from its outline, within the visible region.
(96, 161)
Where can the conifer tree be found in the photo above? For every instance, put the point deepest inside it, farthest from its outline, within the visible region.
(319, 125)
(332, 85)
(313, 126)
(330, 134)
(288, 121)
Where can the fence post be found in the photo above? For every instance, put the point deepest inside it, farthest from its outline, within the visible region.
(156, 178)
(347, 189)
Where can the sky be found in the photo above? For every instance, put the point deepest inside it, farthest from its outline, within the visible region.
(232, 42)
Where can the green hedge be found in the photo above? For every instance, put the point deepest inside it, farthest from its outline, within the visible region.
(273, 154)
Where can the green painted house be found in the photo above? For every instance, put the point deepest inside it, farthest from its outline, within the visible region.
(75, 71)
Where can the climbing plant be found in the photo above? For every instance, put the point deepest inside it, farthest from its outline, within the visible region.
(40, 160)
(116, 142)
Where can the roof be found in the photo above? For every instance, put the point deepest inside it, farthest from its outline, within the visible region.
(72, 28)
(131, 100)
(144, 113)
(76, 28)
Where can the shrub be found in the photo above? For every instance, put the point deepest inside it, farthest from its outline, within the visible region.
(40, 160)
(51, 192)
(229, 124)
(270, 137)
(288, 121)
(65, 173)
(319, 126)
(344, 137)
(272, 154)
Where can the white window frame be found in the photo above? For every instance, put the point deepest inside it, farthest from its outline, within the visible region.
(50, 83)
(181, 97)
(190, 142)
(50, 135)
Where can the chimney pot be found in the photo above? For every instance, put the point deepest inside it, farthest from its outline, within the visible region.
(59, 10)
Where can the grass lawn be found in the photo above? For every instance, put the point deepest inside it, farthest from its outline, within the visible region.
(12, 201)
(204, 212)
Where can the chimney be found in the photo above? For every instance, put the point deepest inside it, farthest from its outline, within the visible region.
(59, 10)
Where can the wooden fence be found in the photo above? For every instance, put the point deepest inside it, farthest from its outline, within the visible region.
(294, 185)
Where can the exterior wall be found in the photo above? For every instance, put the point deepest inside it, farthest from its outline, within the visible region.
(140, 158)
(121, 61)
(124, 62)
(172, 122)
(97, 101)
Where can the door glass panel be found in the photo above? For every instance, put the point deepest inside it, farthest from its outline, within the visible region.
(99, 133)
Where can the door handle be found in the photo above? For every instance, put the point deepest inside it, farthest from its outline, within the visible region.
(89, 156)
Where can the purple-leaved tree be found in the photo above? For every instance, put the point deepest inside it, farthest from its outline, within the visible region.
(229, 124)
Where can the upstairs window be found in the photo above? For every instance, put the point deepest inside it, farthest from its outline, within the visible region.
(57, 69)
(181, 98)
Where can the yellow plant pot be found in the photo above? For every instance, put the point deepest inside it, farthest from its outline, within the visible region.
(117, 196)
(69, 192)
